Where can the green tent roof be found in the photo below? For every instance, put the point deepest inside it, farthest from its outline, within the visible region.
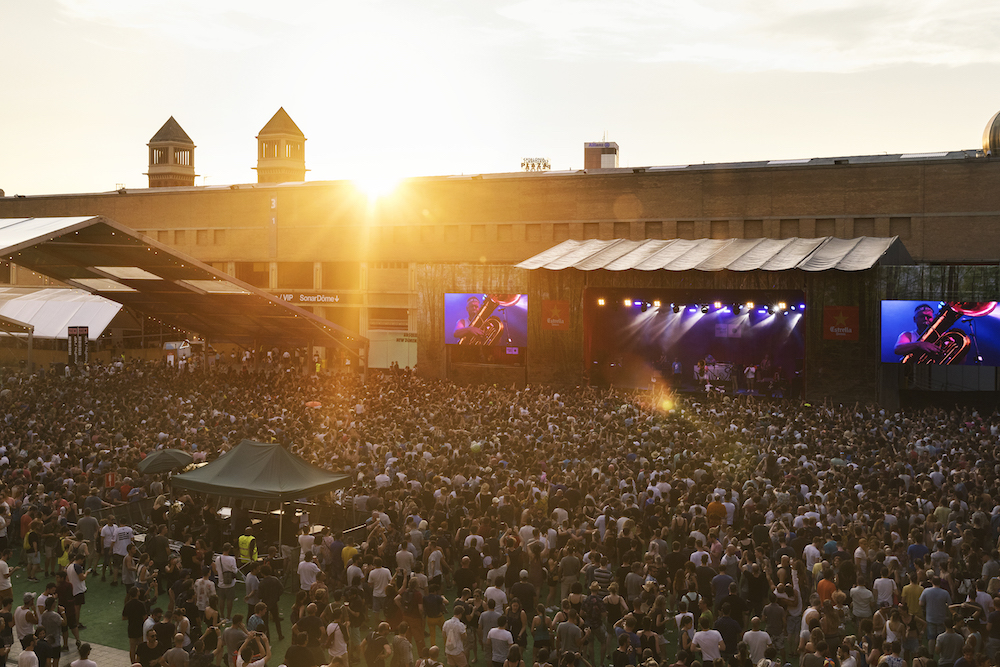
(257, 470)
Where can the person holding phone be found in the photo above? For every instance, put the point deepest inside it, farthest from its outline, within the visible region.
(255, 651)
(77, 575)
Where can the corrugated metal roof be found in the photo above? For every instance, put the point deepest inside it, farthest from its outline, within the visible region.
(818, 254)
(106, 258)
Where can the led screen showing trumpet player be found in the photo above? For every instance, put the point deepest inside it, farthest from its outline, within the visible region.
(486, 320)
(941, 332)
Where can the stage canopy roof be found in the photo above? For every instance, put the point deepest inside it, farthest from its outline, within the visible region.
(106, 258)
(817, 254)
(260, 471)
(50, 311)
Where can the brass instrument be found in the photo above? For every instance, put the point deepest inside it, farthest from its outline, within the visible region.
(490, 324)
(953, 343)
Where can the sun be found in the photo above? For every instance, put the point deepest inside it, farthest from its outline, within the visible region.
(376, 185)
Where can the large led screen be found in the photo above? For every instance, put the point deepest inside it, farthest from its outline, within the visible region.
(486, 320)
(941, 332)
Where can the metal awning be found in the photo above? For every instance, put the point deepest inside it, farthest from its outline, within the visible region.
(816, 254)
(50, 311)
(108, 259)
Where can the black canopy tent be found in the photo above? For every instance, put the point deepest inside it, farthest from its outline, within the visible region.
(261, 471)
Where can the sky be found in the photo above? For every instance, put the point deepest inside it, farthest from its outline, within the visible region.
(392, 88)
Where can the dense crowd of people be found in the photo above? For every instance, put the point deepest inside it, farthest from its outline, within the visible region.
(505, 526)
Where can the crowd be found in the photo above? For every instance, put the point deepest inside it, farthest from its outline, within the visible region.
(507, 527)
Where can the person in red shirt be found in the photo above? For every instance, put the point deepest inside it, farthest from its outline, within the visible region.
(825, 588)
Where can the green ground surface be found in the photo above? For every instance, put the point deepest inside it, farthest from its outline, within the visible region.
(102, 615)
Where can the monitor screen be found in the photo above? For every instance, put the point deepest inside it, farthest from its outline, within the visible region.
(478, 320)
(940, 332)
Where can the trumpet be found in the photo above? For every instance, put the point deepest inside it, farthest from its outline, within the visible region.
(952, 343)
(490, 324)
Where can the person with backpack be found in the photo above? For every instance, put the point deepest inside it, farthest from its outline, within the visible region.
(336, 637)
(225, 569)
(412, 602)
(376, 647)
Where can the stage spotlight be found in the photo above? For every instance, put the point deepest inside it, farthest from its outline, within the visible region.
(802, 306)
(600, 302)
(675, 307)
(785, 313)
(645, 306)
(762, 311)
(770, 310)
(749, 305)
(782, 305)
(693, 309)
(793, 308)
(628, 302)
(718, 305)
(704, 309)
(656, 304)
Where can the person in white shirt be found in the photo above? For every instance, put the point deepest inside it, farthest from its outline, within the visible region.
(454, 639)
(5, 573)
(123, 537)
(496, 594)
(306, 543)
(757, 640)
(84, 659)
(379, 579)
(709, 641)
(308, 570)
(27, 657)
(225, 569)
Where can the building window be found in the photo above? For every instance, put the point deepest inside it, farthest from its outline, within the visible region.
(623, 230)
(899, 227)
(453, 233)
(654, 230)
(533, 232)
(591, 230)
(426, 233)
(864, 226)
(5, 273)
(341, 275)
(253, 273)
(163, 236)
(179, 237)
(292, 275)
(720, 229)
(182, 157)
(204, 236)
(220, 236)
(388, 319)
(478, 233)
(753, 229)
(685, 229)
(504, 233)
(788, 229)
(159, 156)
(560, 231)
(268, 149)
(826, 227)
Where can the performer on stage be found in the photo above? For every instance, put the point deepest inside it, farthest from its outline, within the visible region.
(909, 341)
(464, 328)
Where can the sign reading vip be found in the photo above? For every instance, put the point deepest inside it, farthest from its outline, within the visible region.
(79, 345)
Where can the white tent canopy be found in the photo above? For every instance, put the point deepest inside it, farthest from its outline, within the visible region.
(52, 310)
